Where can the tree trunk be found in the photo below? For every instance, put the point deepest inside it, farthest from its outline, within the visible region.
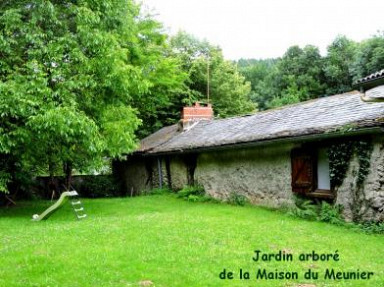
(68, 174)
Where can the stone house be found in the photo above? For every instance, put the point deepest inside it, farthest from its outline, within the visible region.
(330, 148)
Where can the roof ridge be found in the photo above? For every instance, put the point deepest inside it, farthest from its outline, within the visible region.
(290, 105)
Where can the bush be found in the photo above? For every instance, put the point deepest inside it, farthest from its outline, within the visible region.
(304, 208)
(195, 193)
(331, 213)
(372, 227)
(96, 186)
(237, 199)
(191, 191)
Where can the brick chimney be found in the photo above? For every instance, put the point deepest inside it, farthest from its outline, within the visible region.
(198, 112)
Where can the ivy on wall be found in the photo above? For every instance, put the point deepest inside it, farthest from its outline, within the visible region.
(363, 150)
(340, 155)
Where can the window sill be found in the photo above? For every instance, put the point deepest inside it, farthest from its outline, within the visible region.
(321, 193)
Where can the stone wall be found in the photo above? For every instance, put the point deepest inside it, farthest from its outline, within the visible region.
(364, 203)
(179, 172)
(134, 175)
(262, 174)
(138, 174)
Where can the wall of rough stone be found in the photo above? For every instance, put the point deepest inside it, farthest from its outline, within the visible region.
(133, 175)
(365, 203)
(179, 173)
(262, 174)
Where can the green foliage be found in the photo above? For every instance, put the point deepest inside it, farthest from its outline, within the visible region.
(195, 193)
(325, 212)
(369, 57)
(191, 192)
(305, 68)
(236, 198)
(229, 92)
(98, 186)
(62, 135)
(372, 227)
(331, 213)
(339, 155)
(304, 208)
(75, 77)
(261, 74)
(291, 95)
(119, 125)
(162, 69)
(363, 150)
(302, 73)
(338, 65)
(4, 180)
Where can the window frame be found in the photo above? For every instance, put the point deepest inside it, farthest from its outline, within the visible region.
(308, 158)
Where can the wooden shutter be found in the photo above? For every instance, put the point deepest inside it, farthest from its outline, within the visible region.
(303, 171)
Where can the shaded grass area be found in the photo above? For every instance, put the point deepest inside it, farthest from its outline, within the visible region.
(171, 242)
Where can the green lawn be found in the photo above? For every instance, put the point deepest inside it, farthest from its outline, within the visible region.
(171, 242)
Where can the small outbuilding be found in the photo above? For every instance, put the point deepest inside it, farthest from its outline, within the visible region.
(330, 148)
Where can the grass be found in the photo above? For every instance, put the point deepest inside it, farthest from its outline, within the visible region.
(170, 242)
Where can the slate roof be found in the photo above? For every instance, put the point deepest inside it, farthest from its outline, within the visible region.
(371, 77)
(315, 117)
(371, 81)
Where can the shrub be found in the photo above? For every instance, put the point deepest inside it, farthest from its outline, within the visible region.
(372, 227)
(191, 190)
(96, 186)
(237, 199)
(331, 213)
(304, 208)
(195, 193)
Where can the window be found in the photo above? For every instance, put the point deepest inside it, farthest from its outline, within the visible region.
(303, 171)
(323, 178)
(310, 172)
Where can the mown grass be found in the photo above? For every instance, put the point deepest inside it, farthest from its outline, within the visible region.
(170, 242)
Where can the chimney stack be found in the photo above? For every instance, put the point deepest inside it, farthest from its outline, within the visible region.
(197, 112)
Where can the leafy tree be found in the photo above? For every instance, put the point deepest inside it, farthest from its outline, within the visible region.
(73, 75)
(160, 104)
(291, 95)
(369, 57)
(306, 66)
(228, 90)
(303, 74)
(338, 64)
(261, 74)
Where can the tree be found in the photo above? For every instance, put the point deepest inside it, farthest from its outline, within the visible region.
(160, 104)
(203, 62)
(303, 74)
(261, 74)
(72, 76)
(291, 95)
(369, 57)
(306, 66)
(338, 64)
